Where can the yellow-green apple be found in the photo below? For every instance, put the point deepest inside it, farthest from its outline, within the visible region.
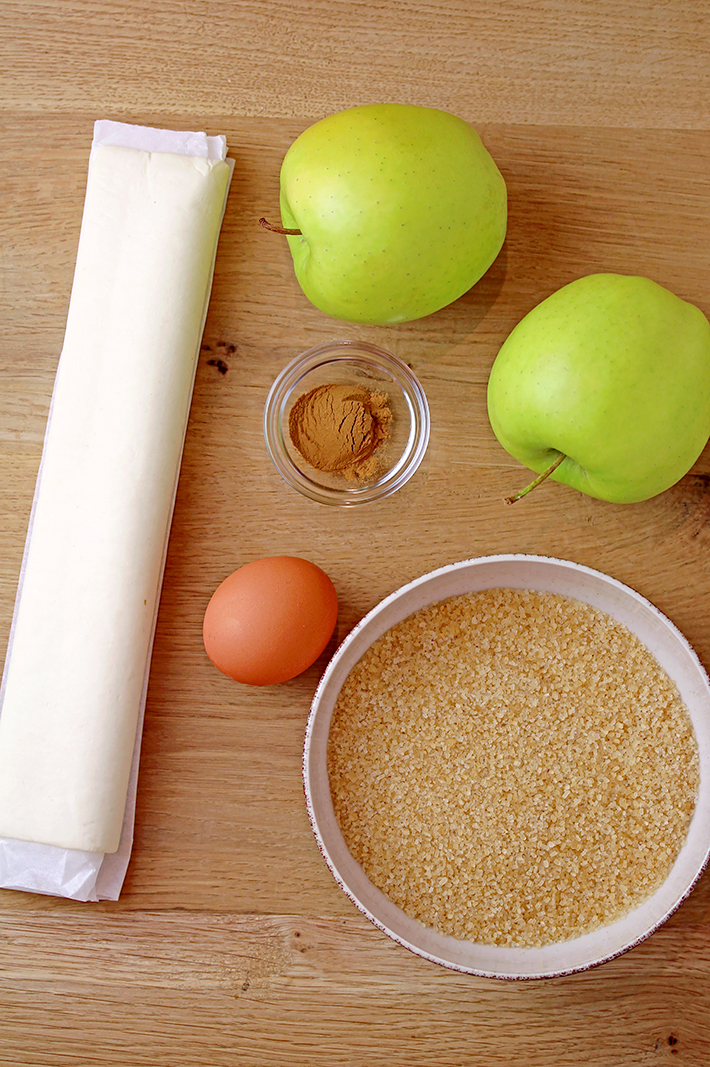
(612, 373)
(394, 211)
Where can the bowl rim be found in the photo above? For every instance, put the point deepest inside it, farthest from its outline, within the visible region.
(350, 352)
(417, 590)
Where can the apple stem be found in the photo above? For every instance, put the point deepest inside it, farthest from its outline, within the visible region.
(279, 229)
(540, 478)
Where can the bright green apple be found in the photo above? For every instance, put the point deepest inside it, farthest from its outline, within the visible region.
(613, 373)
(401, 209)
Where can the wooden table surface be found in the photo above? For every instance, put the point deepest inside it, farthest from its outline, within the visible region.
(231, 944)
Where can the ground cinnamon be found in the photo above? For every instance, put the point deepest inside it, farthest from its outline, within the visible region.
(340, 429)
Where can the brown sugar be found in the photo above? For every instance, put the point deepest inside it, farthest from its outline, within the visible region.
(512, 767)
(341, 429)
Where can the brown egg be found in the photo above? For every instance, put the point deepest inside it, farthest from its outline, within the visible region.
(270, 620)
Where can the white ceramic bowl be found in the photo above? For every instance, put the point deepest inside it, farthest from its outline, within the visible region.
(539, 573)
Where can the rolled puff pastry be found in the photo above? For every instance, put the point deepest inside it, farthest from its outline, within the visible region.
(84, 619)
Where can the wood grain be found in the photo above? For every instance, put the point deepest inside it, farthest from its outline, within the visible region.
(231, 944)
(596, 62)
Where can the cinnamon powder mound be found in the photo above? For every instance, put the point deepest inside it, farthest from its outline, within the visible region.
(341, 429)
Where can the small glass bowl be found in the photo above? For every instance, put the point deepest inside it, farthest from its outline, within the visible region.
(354, 363)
